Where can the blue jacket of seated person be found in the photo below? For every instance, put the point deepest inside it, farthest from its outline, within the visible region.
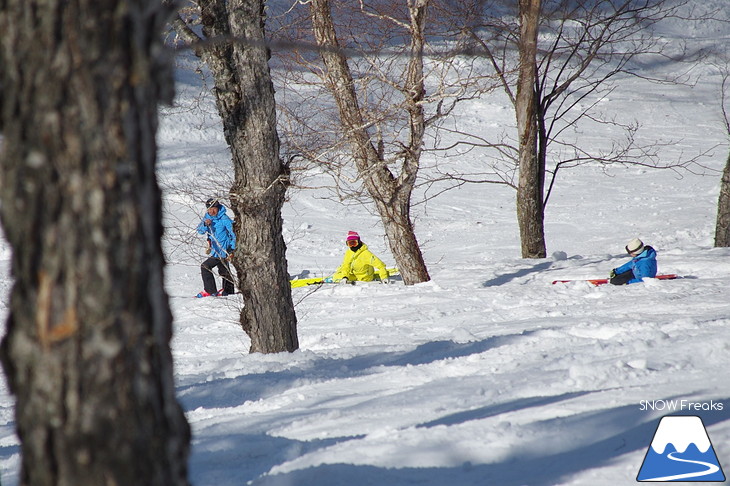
(643, 265)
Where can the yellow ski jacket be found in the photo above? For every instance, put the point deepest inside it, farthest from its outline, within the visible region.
(361, 265)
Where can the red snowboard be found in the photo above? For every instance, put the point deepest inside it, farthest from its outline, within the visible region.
(601, 281)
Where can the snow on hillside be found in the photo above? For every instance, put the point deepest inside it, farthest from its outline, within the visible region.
(488, 374)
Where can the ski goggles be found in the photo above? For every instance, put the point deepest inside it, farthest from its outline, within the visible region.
(352, 243)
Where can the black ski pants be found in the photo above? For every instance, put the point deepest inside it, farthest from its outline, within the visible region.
(622, 278)
(206, 270)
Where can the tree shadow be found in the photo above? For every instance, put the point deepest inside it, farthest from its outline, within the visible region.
(630, 431)
(500, 408)
(233, 392)
(523, 272)
(235, 459)
(595, 439)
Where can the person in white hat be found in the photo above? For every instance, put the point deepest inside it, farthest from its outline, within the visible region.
(642, 264)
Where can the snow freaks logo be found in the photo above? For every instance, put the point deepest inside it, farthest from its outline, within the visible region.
(680, 405)
(681, 451)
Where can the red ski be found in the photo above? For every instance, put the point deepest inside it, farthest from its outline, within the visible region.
(602, 281)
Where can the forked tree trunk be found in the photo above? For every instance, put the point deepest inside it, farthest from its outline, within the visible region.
(244, 94)
(722, 228)
(391, 194)
(530, 207)
(87, 349)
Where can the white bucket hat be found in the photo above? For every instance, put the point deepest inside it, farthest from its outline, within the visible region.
(635, 246)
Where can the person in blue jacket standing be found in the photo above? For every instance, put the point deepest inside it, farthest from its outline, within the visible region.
(221, 243)
(642, 264)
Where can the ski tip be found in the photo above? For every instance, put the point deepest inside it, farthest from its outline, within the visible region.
(304, 282)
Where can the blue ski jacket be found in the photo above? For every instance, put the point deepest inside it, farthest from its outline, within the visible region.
(643, 265)
(220, 233)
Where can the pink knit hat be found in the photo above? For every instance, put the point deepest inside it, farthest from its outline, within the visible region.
(352, 235)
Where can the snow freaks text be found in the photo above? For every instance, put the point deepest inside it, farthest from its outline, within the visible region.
(680, 405)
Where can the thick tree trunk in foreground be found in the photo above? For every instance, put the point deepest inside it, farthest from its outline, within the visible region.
(530, 208)
(87, 347)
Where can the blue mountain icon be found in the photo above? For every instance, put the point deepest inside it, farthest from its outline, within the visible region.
(681, 451)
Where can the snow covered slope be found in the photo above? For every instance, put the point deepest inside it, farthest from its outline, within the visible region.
(488, 374)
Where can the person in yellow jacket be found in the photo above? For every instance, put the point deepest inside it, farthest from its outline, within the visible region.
(360, 263)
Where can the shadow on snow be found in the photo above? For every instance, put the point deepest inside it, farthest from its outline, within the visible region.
(631, 433)
(228, 458)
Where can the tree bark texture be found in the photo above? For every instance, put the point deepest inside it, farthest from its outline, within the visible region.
(245, 99)
(391, 194)
(722, 228)
(530, 189)
(87, 349)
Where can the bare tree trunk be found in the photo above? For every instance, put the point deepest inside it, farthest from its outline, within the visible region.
(238, 59)
(87, 349)
(722, 228)
(403, 243)
(392, 195)
(530, 209)
(260, 185)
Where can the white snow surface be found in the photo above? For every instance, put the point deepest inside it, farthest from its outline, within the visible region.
(487, 374)
(680, 431)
